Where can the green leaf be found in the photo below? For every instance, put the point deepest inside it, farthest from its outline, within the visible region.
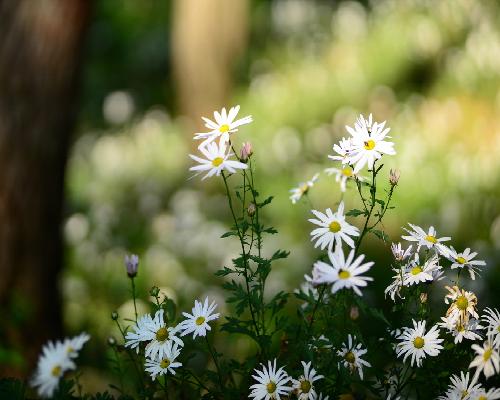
(265, 202)
(230, 233)
(355, 213)
(381, 202)
(380, 234)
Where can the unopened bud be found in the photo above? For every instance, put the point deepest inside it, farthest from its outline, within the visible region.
(394, 175)
(131, 264)
(111, 341)
(246, 151)
(354, 313)
(114, 315)
(155, 291)
(423, 298)
(251, 209)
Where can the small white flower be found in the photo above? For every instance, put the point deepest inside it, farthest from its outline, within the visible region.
(492, 318)
(342, 273)
(302, 189)
(320, 343)
(351, 354)
(396, 285)
(216, 160)
(415, 272)
(164, 364)
(304, 386)
(75, 344)
(197, 323)
(343, 150)
(422, 238)
(225, 123)
(460, 388)
(462, 260)
(52, 364)
(462, 330)
(416, 343)
(368, 144)
(271, 383)
(482, 394)
(333, 228)
(154, 331)
(487, 359)
(463, 304)
(400, 254)
(342, 175)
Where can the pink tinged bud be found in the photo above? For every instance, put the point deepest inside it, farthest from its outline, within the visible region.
(131, 264)
(394, 177)
(246, 151)
(251, 209)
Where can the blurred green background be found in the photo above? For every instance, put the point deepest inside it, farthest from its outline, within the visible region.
(303, 69)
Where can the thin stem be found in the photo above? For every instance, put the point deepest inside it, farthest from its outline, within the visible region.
(165, 387)
(132, 359)
(316, 304)
(214, 357)
(373, 191)
(118, 366)
(134, 297)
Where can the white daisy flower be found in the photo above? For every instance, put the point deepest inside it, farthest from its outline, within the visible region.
(164, 364)
(482, 394)
(416, 343)
(351, 354)
(415, 272)
(197, 323)
(307, 287)
(422, 238)
(302, 189)
(396, 285)
(216, 160)
(342, 175)
(463, 303)
(53, 362)
(492, 318)
(462, 330)
(342, 273)
(460, 388)
(304, 386)
(487, 359)
(75, 344)
(462, 260)
(400, 254)
(368, 144)
(320, 343)
(388, 384)
(333, 228)
(224, 123)
(343, 150)
(156, 332)
(271, 383)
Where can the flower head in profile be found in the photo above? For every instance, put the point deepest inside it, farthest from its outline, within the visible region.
(164, 364)
(351, 353)
(271, 383)
(343, 175)
(463, 304)
(216, 160)
(131, 265)
(75, 344)
(367, 143)
(417, 272)
(155, 332)
(225, 123)
(342, 273)
(417, 344)
(343, 149)
(462, 329)
(461, 387)
(491, 317)
(463, 260)
(333, 228)
(487, 359)
(197, 322)
(483, 394)
(400, 254)
(304, 386)
(302, 189)
(52, 364)
(427, 239)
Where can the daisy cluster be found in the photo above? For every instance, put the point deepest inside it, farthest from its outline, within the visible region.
(56, 359)
(160, 341)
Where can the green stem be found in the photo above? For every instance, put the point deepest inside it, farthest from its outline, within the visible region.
(214, 357)
(134, 297)
(373, 191)
(316, 305)
(132, 359)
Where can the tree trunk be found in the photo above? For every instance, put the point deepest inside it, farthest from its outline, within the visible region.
(40, 45)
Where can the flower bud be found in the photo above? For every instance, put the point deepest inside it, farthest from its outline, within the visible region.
(155, 291)
(423, 298)
(354, 313)
(394, 175)
(114, 315)
(111, 341)
(251, 209)
(246, 152)
(131, 264)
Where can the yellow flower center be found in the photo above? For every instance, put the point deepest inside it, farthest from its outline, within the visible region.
(498, 328)
(162, 334)
(217, 161)
(271, 387)
(200, 320)
(464, 393)
(56, 371)
(304, 188)
(416, 270)
(334, 227)
(460, 328)
(431, 239)
(487, 354)
(70, 349)
(350, 357)
(164, 363)
(305, 386)
(462, 303)
(224, 128)
(460, 260)
(369, 144)
(343, 274)
(418, 342)
(347, 172)
(482, 398)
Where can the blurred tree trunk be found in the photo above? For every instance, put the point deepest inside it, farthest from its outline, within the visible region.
(208, 38)
(40, 46)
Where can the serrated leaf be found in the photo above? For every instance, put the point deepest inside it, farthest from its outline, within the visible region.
(355, 212)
